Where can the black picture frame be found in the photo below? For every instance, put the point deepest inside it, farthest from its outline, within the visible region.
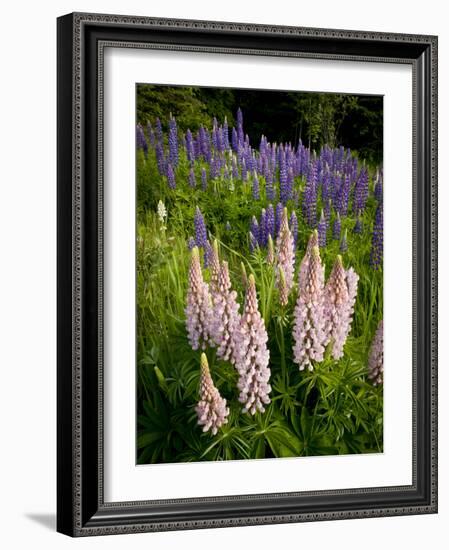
(81, 509)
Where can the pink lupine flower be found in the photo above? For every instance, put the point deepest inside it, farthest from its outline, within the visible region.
(340, 293)
(303, 268)
(285, 250)
(226, 315)
(376, 356)
(199, 305)
(252, 355)
(270, 251)
(310, 321)
(211, 410)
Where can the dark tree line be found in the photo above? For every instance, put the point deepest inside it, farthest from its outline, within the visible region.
(354, 121)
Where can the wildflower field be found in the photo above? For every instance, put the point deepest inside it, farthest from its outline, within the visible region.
(259, 282)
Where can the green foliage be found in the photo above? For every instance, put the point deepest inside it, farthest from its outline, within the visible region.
(330, 410)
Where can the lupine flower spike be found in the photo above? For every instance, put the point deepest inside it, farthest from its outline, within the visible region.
(252, 355)
(226, 315)
(376, 356)
(285, 253)
(199, 306)
(309, 324)
(211, 410)
(303, 268)
(340, 295)
(214, 267)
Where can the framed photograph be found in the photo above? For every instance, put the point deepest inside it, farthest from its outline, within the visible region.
(247, 278)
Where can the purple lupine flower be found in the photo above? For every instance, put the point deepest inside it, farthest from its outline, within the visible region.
(253, 242)
(252, 355)
(278, 218)
(378, 187)
(336, 229)
(208, 254)
(199, 306)
(361, 191)
(173, 155)
(376, 356)
(190, 148)
(285, 254)
(191, 243)
(344, 242)
(211, 409)
(254, 228)
(171, 177)
(377, 241)
(141, 141)
(255, 187)
(304, 266)
(309, 200)
(150, 133)
(234, 139)
(160, 159)
(263, 234)
(225, 133)
(284, 194)
(270, 221)
(339, 306)
(192, 179)
(322, 229)
(235, 169)
(269, 187)
(226, 317)
(158, 131)
(200, 229)
(293, 222)
(309, 314)
(203, 179)
(240, 138)
(358, 226)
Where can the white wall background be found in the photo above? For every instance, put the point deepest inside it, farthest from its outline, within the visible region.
(28, 267)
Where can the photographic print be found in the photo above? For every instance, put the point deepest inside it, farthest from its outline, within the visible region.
(259, 283)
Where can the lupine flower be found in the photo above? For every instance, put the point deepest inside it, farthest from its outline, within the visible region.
(192, 179)
(208, 254)
(309, 315)
(322, 229)
(269, 188)
(173, 155)
(378, 188)
(159, 133)
(344, 242)
(270, 251)
(285, 253)
(254, 228)
(141, 140)
(203, 179)
(270, 221)
(309, 201)
(191, 243)
(376, 356)
(336, 229)
(304, 267)
(200, 229)
(377, 241)
(211, 410)
(199, 306)
(214, 268)
(171, 177)
(151, 135)
(161, 212)
(160, 159)
(252, 355)
(225, 134)
(294, 228)
(226, 317)
(279, 211)
(361, 191)
(340, 294)
(253, 242)
(190, 149)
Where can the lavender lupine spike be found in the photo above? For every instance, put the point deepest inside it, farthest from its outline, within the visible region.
(226, 317)
(304, 267)
(376, 356)
(171, 177)
(270, 251)
(191, 243)
(160, 159)
(263, 234)
(336, 229)
(192, 179)
(377, 241)
(309, 314)
(141, 140)
(199, 306)
(203, 179)
(254, 228)
(211, 409)
(322, 229)
(173, 154)
(253, 242)
(340, 294)
(158, 131)
(151, 136)
(279, 211)
(200, 229)
(270, 221)
(361, 191)
(285, 253)
(269, 187)
(252, 355)
(344, 242)
(190, 149)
